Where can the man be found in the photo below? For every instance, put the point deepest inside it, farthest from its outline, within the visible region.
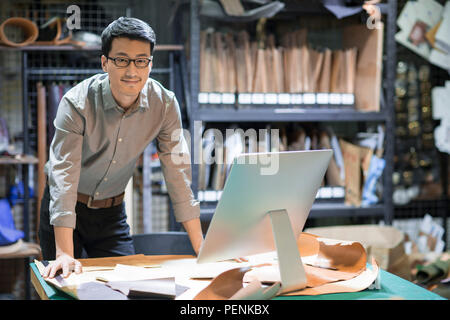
(102, 126)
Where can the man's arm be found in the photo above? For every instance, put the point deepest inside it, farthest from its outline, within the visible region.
(64, 165)
(63, 175)
(194, 230)
(173, 153)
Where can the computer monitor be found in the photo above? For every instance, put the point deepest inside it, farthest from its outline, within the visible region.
(264, 206)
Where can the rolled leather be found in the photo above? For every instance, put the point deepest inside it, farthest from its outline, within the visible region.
(42, 143)
(54, 32)
(30, 31)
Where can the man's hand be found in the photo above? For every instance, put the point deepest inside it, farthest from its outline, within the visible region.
(63, 262)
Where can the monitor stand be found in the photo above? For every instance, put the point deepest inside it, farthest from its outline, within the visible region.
(292, 272)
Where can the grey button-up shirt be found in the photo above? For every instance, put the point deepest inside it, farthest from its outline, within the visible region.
(97, 144)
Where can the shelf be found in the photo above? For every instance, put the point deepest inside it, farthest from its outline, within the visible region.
(294, 9)
(35, 47)
(316, 8)
(20, 249)
(216, 113)
(278, 99)
(281, 107)
(76, 71)
(19, 160)
(321, 210)
(324, 194)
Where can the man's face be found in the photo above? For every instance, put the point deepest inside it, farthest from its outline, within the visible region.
(127, 82)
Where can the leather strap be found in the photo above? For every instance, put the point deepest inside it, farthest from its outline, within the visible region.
(103, 203)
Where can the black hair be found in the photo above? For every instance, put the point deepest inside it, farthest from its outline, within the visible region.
(131, 28)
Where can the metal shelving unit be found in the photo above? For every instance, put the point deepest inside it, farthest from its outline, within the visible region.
(292, 113)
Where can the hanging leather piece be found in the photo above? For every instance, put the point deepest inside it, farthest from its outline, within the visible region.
(42, 145)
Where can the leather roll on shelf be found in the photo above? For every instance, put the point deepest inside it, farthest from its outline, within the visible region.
(54, 32)
(29, 28)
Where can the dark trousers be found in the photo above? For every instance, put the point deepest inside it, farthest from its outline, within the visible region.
(98, 232)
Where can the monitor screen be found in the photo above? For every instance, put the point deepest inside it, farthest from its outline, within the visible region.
(257, 184)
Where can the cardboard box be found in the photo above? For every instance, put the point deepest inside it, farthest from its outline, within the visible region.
(384, 243)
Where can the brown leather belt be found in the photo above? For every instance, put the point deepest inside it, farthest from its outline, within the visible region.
(103, 203)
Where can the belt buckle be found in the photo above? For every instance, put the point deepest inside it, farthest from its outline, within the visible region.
(89, 203)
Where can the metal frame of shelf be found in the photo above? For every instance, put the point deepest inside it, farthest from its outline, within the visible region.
(320, 210)
(274, 113)
(278, 113)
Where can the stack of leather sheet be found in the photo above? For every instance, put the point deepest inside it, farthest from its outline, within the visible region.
(234, 63)
(290, 64)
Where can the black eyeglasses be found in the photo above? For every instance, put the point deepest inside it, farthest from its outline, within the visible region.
(125, 62)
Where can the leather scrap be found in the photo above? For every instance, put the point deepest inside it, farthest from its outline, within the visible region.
(229, 286)
(436, 270)
(336, 260)
(254, 291)
(346, 256)
(307, 244)
(325, 261)
(224, 286)
(139, 260)
(355, 284)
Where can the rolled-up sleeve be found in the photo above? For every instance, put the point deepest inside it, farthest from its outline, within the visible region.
(173, 153)
(63, 167)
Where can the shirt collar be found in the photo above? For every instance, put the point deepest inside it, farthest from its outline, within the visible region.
(109, 101)
(143, 97)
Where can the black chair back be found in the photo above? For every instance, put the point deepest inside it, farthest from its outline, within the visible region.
(162, 243)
